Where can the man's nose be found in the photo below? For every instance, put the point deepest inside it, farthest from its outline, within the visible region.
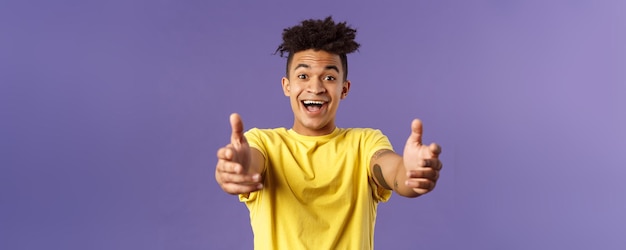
(316, 86)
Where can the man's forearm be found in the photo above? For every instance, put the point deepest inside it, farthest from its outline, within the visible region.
(400, 181)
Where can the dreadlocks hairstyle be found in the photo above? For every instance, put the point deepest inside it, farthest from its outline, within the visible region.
(336, 38)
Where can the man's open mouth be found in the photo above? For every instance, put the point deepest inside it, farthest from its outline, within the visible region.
(313, 106)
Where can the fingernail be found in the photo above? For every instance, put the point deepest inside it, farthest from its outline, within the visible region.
(260, 186)
(256, 177)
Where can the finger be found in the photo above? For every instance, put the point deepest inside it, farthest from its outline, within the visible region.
(225, 153)
(427, 163)
(228, 153)
(426, 174)
(225, 166)
(420, 184)
(435, 149)
(240, 178)
(432, 163)
(416, 132)
(422, 191)
(236, 125)
(234, 188)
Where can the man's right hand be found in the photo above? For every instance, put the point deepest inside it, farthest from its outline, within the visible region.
(233, 171)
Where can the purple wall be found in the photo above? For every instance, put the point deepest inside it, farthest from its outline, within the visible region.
(111, 113)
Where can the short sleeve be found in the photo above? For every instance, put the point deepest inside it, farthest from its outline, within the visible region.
(374, 141)
(254, 138)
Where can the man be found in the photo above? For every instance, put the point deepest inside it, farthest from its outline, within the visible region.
(317, 186)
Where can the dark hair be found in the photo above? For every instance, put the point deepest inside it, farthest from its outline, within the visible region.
(326, 35)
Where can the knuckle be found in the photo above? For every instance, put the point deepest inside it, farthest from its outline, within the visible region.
(423, 174)
(227, 178)
(425, 162)
(224, 177)
(220, 166)
(235, 168)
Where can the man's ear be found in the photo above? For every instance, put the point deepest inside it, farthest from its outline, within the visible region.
(286, 86)
(345, 89)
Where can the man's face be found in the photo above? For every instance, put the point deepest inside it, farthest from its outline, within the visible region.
(314, 87)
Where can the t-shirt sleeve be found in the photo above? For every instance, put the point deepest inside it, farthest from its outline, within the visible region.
(254, 138)
(376, 141)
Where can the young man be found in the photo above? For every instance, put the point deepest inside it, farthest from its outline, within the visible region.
(317, 186)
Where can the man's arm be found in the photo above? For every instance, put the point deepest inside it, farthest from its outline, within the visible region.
(415, 172)
(239, 168)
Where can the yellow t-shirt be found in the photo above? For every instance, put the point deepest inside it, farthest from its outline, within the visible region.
(318, 190)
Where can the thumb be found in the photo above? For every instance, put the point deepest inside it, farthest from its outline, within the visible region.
(236, 138)
(416, 132)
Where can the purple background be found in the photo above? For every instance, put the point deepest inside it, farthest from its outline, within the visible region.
(112, 112)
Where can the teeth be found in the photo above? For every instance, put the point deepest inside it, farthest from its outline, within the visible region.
(313, 102)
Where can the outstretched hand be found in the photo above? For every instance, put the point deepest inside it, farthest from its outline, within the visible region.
(421, 161)
(233, 163)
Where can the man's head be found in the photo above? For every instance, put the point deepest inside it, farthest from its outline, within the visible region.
(335, 38)
(316, 72)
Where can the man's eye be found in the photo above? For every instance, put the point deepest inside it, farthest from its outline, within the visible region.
(329, 78)
(302, 76)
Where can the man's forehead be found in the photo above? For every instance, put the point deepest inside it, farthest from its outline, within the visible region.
(310, 59)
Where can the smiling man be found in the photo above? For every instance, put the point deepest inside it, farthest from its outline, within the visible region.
(315, 86)
(315, 185)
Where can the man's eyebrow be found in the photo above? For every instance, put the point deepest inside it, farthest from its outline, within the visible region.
(302, 65)
(332, 67)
